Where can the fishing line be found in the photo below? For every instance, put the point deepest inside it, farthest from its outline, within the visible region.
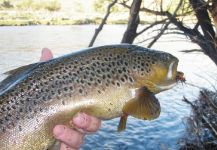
(193, 85)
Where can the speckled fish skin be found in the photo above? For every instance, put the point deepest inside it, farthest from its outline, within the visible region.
(98, 81)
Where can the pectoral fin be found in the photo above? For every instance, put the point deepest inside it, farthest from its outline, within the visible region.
(144, 106)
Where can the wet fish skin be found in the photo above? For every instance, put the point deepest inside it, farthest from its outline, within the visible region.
(98, 81)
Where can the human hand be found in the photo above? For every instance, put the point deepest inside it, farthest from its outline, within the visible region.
(72, 138)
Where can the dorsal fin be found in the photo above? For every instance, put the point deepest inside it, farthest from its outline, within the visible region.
(20, 69)
(16, 75)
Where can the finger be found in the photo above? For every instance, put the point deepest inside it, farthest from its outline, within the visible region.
(86, 122)
(68, 136)
(66, 147)
(46, 54)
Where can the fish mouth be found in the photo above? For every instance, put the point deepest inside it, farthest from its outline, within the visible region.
(180, 77)
(170, 83)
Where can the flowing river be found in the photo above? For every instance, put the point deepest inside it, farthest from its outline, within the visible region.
(22, 45)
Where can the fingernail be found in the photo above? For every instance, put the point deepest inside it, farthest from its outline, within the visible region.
(58, 130)
(82, 121)
(77, 119)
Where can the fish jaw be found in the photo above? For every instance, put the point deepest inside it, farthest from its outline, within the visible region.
(165, 87)
(157, 88)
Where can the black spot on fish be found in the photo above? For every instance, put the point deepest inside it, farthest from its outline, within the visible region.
(21, 110)
(63, 102)
(30, 109)
(13, 107)
(20, 128)
(99, 81)
(124, 69)
(99, 91)
(71, 88)
(17, 94)
(131, 80)
(44, 98)
(92, 73)
(3, 129)
(8, 108)
(98, 71)
(122, 79)
(65, 89)
(103, 76)
(125, 76)
(6, 118)
(119, 71)
(80, 91)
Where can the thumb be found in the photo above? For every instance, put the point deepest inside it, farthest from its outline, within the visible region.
(46, 54)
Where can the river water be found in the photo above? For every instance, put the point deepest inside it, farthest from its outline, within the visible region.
(22, 45)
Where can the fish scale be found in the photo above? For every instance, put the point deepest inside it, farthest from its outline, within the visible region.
(96, 81)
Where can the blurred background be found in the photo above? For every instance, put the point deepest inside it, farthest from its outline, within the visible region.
(58, 12)
(184, 28)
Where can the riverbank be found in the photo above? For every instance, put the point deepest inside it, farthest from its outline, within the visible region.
(56, 12)
(23, 18)
(202, 124)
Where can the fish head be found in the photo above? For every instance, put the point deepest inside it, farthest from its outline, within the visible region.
(155, 70)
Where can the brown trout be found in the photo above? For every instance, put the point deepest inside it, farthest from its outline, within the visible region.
(106, 82)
